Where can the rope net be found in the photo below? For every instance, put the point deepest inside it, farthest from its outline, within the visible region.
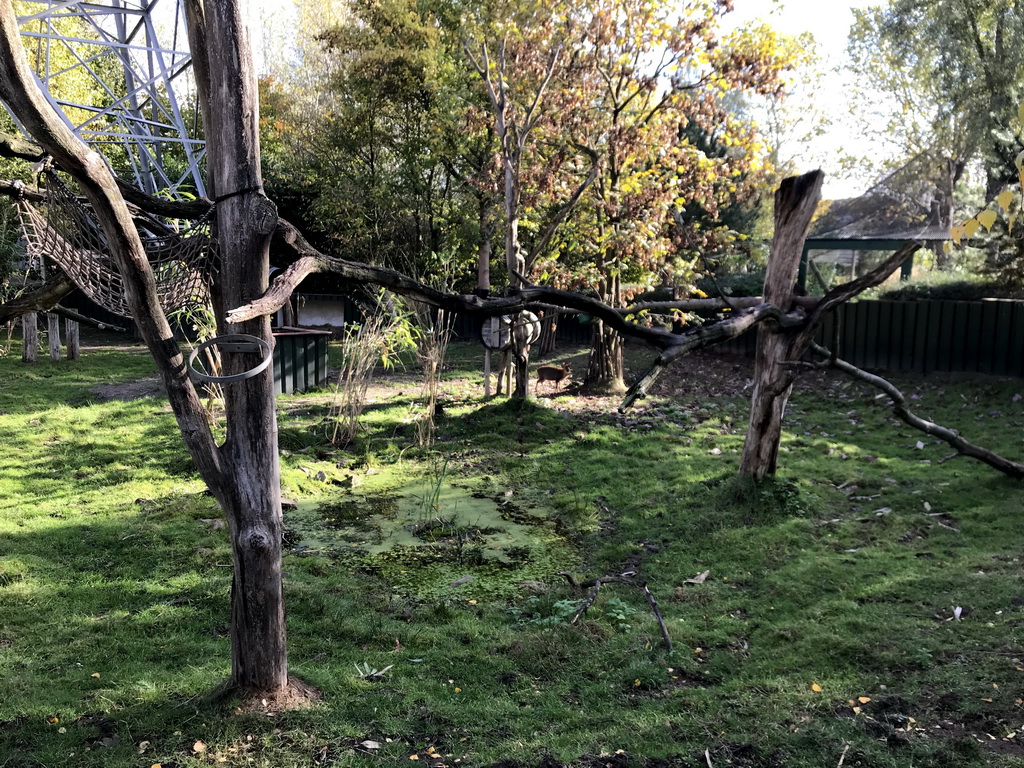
(183, 257)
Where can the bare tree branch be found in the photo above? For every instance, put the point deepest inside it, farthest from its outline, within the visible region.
(902, 411)
(846, 291)
(41, 299)
(566, 209)
(697, 338)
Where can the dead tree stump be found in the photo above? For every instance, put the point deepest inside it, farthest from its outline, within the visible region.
(73, 340)
(29, 337)
(53, 335)
(795, 202)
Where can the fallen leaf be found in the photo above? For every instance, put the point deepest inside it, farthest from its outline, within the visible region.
(856, 710)
(199, 746)
(863, 699)
(143, 746)
(369, 744)
(95, 674)
(815, 687)
(414, 757)
(698, 579)
(458, 690)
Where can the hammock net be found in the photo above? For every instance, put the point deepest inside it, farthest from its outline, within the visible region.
(183, 256)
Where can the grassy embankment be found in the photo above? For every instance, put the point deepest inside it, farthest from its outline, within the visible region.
(865, 606)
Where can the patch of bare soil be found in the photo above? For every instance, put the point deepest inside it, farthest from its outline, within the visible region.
(297, 695)
(129, 390)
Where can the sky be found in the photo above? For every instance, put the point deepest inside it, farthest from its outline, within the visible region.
(829, 21)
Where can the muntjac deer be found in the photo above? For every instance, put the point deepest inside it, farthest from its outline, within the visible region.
(552, 373)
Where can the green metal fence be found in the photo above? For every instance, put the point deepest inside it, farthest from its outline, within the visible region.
(300, 359)
(922, 336)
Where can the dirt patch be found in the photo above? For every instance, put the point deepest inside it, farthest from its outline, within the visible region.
(297, 695)
(129, 390)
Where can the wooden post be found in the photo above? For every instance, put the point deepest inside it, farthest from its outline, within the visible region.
(30, 337)
(487, 372)
(53, 335)
(795, 202)
(72, 338)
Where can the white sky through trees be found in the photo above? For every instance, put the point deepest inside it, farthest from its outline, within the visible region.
(829, 22)
(276, 24)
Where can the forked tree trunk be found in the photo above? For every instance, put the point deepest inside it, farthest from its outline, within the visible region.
(243, 475)
(245, 220)
(795, 202)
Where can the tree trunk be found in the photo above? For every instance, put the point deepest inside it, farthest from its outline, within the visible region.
(245, 221)
(605, 369)
(795, 202)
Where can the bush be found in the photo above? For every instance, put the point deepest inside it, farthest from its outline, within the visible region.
(740, 284)
(955, 290)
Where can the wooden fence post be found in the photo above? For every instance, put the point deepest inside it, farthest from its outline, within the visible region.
(795, 201)
(53, 335)
(30, 337)
(72, 337)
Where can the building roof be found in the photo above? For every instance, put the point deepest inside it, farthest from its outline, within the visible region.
(901, 206)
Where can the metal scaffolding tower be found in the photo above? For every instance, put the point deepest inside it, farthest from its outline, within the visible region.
(119, 71)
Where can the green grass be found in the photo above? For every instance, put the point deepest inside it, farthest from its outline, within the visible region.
(836, 581)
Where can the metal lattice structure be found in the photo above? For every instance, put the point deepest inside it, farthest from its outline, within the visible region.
(119, 71)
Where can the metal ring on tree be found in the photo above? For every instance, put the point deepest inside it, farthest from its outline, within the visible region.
(232, 342)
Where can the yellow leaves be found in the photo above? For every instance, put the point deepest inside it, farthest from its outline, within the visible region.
(863, 699)
(636, 683)
(1004, 199)
(815, 687)
(414, 757)
(199, 747)
(458, 690)
(987, 218)
(971, 227)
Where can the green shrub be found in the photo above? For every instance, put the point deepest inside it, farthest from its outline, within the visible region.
(955, 290)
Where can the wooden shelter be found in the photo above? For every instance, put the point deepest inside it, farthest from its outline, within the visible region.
(911, 203)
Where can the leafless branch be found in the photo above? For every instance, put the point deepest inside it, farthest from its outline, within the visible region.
(902, 411)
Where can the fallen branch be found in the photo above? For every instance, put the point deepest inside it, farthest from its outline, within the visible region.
(903, 412)
(594, 585)
(41, 299)
(78, 317)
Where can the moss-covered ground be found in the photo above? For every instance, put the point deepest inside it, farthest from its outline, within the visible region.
(864, 608)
